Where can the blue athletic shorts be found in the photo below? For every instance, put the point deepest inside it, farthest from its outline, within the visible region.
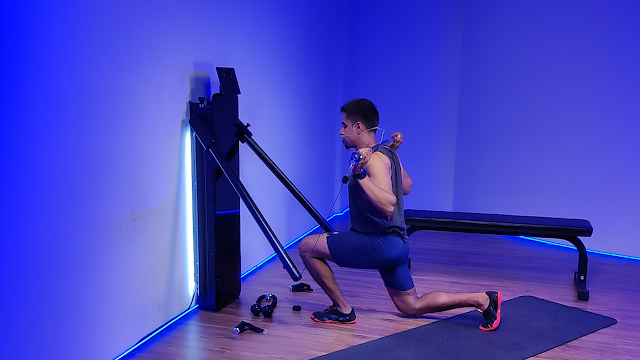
(387, 253)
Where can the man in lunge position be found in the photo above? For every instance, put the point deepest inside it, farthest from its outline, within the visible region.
(377, 239)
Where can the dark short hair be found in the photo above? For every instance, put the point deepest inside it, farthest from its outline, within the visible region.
(362, 110)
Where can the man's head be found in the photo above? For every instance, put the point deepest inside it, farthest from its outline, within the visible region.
(363, 111)
(359, 120)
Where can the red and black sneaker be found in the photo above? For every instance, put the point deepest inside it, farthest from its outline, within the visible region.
(492, 313)
(332, 315)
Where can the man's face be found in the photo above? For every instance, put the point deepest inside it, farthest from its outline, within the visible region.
(348, 132)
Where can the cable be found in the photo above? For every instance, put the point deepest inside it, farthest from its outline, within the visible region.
(318, 237)
(377, 128)
(355, 158)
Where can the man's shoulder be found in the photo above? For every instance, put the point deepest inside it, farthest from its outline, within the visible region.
(380, 158)
(379, 163)
(385, 154)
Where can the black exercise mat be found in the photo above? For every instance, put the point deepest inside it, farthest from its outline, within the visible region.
(529, 326)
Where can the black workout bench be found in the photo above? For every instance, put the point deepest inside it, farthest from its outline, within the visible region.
(534, 226)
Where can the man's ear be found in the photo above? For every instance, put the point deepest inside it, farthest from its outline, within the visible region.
(359, 126)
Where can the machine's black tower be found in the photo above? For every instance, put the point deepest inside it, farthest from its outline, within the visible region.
(216, 127)
(217, 205)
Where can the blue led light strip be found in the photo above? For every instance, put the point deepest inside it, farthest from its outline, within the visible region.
(291, 243)
(148, 337)
(227, 212)
(572, 247)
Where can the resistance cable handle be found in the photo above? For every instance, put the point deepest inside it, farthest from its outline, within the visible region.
(356, 157)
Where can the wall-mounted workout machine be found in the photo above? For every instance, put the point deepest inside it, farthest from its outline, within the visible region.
(216, 126)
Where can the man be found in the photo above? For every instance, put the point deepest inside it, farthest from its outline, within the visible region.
(377, 239)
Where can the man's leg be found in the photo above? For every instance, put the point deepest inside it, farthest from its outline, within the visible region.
(409, 303)
(314, 252)
(488, 303)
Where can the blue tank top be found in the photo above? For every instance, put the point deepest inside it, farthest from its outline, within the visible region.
(365, 217)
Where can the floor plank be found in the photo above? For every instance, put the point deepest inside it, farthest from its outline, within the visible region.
(440, 262)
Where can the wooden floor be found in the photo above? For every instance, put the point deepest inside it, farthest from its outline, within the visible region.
(440, 262)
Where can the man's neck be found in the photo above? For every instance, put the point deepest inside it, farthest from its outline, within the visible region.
(368, 141)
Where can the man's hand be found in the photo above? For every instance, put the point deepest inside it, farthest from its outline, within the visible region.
(365, 154)
(397, 142)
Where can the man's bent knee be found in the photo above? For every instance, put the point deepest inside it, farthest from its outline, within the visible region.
(310, 247)
(408, 309)
(305, 248)
(405, 301)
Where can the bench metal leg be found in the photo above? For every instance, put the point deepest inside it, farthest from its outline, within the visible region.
(580, 276)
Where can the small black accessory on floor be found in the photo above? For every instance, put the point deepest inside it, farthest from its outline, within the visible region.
(529, 326)
(267, 310)
(244, 326)
(297, 308)
(301, 287)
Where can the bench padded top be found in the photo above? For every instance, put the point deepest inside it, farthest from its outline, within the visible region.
(497, 224)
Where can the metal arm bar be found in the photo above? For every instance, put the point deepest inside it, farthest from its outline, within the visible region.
(206, 138)
(244, 135)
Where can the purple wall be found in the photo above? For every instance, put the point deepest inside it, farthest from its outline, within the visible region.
(513, 108)
(406, 59)
(549, 114)
(288, 60)
(93, 247)
(93, 106)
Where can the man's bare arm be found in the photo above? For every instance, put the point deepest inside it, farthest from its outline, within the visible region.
(377, 184)
(406, 179)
